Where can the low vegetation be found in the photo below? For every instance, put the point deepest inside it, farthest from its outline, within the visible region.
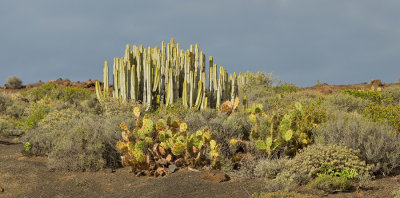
(291, 136)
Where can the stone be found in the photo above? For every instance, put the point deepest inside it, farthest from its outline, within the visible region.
(215, 176)
(172, 168)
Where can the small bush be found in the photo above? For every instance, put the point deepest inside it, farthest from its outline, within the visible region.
(39, 93)
(91, 105)
(286, 88)
(374, 96)
(384, 113)
(394, 93)
(227, 127)
(72, 95)
(35, 113)
(86, 146)
(245, 167)
(175, 111)
(317, 159)
(346, 102)
(111, 106)
(5, 101)
(330, 184)
(195, 121)
(14, 82)
(7, 126)
(270, 168)
(77, 141)
(377, 142)
(17, 109)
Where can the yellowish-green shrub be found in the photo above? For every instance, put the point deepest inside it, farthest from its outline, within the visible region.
(330, 184)
(282, 194)
(317, 159)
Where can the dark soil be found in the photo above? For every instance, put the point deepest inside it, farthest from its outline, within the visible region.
(23, 176)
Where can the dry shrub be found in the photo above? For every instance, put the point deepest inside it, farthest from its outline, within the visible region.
(77, 141)
(7, 126)
(377, 142)
(346, 102)
(5, 101)
(17, 109)
(230, 127)
(14, 82)
(270, 168)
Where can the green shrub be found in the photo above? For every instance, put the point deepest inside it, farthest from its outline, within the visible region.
(394, 93)
(286, 88)
(39, 93)
(35, 112)
(176, 111)
(260, 78)
(384, 113)
(330, 184)
(377, 142)
(14, 82)
(374, 96)
(316, 159)
(71, 95)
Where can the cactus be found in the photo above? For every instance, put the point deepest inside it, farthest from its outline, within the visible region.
(158, 76)
(290, 132)
(98, 91)
(152, 147)
(105, 79)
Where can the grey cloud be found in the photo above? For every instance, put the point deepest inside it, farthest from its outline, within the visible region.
(337, 41)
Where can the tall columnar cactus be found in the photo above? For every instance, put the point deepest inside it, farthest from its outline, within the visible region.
(167, 73)
(105, 79)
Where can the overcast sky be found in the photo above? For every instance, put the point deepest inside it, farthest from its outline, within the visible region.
(300, 41)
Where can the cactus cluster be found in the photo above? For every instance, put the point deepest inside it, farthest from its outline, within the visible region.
(289, 132)
(159, 76)
(151, 147)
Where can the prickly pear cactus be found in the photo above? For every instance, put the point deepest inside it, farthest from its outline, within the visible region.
(151, 147)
